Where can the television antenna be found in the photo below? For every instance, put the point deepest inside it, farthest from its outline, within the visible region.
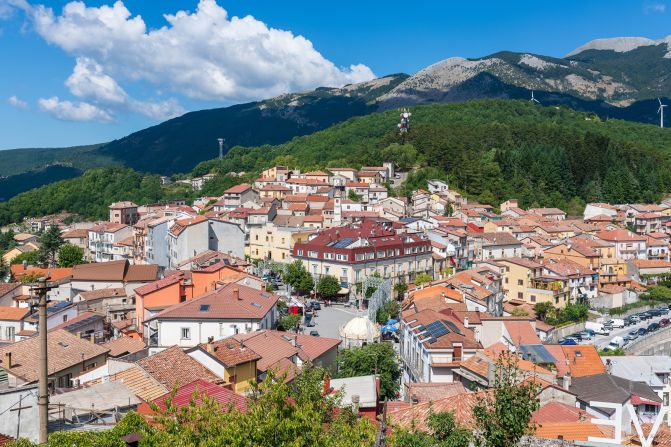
(404, 124)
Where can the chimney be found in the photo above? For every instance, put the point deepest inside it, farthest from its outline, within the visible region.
(8, 360)
(327, 383)
(25, 265)
(263, 287)
(210, 343)
(466, 322)
(609, 366)
(355, 403)
(567, 381)
(414, 400)
(236, 294)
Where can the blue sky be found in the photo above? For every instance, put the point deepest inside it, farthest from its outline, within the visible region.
(98, 71)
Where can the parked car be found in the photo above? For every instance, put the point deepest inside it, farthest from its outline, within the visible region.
(653, 327)
(664, 322)
(616, 322)
(598, 328)
(627, 338)
(576, 336)
(628, 321)
(590, 332)
(635, 319)
(617, 342)
(644, 316)
(568, 341)
(654, 312)
(633, 334)
(584, 335)
(314, 333)
(316, 305)
(642, 331)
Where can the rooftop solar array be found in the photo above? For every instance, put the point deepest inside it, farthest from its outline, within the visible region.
(343, 243)
(536, 354)
(436, 330)
(82, 323)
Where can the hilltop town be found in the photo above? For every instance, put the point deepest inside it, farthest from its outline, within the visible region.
(305, 269)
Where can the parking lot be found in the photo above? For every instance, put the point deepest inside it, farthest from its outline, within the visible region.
(601, 341)
(329, 320)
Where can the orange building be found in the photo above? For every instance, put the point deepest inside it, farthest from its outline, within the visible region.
(161, 294)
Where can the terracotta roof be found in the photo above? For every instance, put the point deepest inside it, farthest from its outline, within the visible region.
(65, 350)
(650, 263)
(275, 345)
(555, 411)
(140, 383)
(619, 236)
(124, 345)
(75, 234)
(5, 440)
(183, 396)
(6, 287)
(141, 272)
(103, 293)
(107, 227)
(231, 352)
(173, 366)
(120, 270)
(499, 238)
(238, 189)
(9, 313)
(56, 274)
(180, 225)
(416, 416)
(425, 392)
(572, 431)
(521, 333)
(579, 360)
(121, 205)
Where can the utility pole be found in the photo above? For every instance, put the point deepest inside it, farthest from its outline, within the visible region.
(41, 290)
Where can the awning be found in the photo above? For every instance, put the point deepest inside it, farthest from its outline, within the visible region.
(637, 400)
(343, 291)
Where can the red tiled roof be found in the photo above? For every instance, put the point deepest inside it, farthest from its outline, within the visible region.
(9, 313)
(238, 189)
(124, 345)
(521, 333)
(555, 411)
(184, 395)
(223, 303)
(230, 352)
(173, 366)
(159, 284)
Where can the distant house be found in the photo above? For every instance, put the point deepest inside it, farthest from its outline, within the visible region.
(123, 213)
(103, 237)
(69, 356)
(236, 196)
(188, 237)
(113, 274)
(436, 186)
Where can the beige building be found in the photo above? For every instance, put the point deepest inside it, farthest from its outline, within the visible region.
(275, 242)
(123, 213)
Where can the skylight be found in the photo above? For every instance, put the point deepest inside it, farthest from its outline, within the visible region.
(204, 307)
(256, 305)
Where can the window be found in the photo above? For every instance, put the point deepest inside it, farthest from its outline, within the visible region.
(533, 298)
(186, 333)
(520, 295)
(505, 280)
(380, 254)
(520, 282)
(312, 254)
(340, 257)
(327, 269)
(65, 318)
(359, 257)
(300, 252)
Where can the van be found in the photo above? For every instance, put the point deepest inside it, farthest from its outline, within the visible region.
(597, 328)
(617, 322)
(618, 342)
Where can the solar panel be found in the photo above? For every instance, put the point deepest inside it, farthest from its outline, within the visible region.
(453, 327)
(84, 322)
(204, 307)
(537, 353)
(437, 329)
(343, 243)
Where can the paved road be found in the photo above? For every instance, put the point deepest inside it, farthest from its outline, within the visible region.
(329, 320)
(601, 341)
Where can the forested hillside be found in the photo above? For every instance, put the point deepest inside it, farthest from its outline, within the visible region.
(489, 149)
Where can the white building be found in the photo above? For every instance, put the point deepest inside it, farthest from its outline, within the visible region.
(102, 239)
(188, 237)
(230, 310)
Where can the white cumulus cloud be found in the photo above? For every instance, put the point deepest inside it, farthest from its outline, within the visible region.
(69, 111)
(654, 7)
(204, 54)
(16, 102)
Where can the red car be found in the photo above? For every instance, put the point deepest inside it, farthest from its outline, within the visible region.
(664, 322)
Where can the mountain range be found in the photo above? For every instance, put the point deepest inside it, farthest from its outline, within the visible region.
(614, 78)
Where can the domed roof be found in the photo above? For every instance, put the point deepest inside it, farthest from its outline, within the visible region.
(360, 328)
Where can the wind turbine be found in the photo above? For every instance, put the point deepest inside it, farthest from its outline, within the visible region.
(661, 113)
(534, 99)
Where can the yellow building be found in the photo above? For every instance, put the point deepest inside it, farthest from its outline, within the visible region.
(523, 280)
(591, 253)
(273, 242)
(20, 249)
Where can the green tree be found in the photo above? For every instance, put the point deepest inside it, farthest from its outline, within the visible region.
(374, 358)
(353, 196)
(423, 278)
(543, 310)
(290, 322)
(306, 284)
(403, 155)
(400, 288)
(443, 431)
(4, 268)
(328, 286)
(50, 242)
(390, 309)
(31, 258)
(294, 273)
(504, 416)
(70, 255)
